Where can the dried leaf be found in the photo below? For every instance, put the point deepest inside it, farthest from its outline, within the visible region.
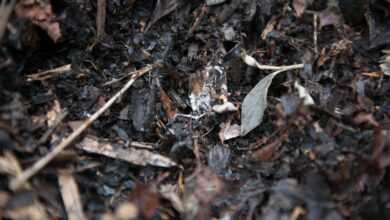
(5, 11)
(71, 196)
(225, 107)
(300, 6)
(40, 13)
(167, 103)
(170, 192)
(385, 66)
(9, 164)
(204, 87)
(146, 199)
(228, 131)
(163, 7)
(140, 157)
(266, 153)
(127, 210)
(304, 94)
(254, 105)
(330, 17)
(269, 27)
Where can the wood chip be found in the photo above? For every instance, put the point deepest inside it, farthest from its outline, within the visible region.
(139, 157)
(71, 196)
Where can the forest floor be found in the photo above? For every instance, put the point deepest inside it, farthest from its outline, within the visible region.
(202, 109)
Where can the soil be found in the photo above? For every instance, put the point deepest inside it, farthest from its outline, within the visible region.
(171, 153)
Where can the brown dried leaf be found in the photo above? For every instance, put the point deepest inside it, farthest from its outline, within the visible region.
(53, 114)
(266, 153)
(363, 117)
(146, 200)
(41, 14)
(208, 186)
(168, 106)
(269, 27)
(228, 131)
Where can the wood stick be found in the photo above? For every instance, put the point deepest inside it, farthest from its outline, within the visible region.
(100, 19)
(37, 166)
(49, 73)
(71, 196)
(250, 61)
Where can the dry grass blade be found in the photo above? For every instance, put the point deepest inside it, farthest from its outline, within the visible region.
(37, 166)
(71, 196)
(6, 8)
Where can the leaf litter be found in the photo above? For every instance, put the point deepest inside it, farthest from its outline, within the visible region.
(205, 131)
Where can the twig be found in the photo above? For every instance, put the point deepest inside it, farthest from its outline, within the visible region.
(100, 19)
(250, 61)
(49, 73)
(198, 19)
(141, 145)
(315, 34)
(147, 69)
(49, 131)
(37, 166)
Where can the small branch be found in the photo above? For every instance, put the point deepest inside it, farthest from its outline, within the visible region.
(49, 131)
(49, 73)
(147, 69)
(100, 19)
(315, 34)
(198, 19)
(37, 166)
(250, 61)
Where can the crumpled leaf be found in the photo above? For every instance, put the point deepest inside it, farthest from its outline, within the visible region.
(228, 131)
(254, 105)
(304, 94)
(266, 153)
(208, 87)
(300, 6)
(385, 66)
(41, 14)
(225, 107)
(330, 16)
(163, 7)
